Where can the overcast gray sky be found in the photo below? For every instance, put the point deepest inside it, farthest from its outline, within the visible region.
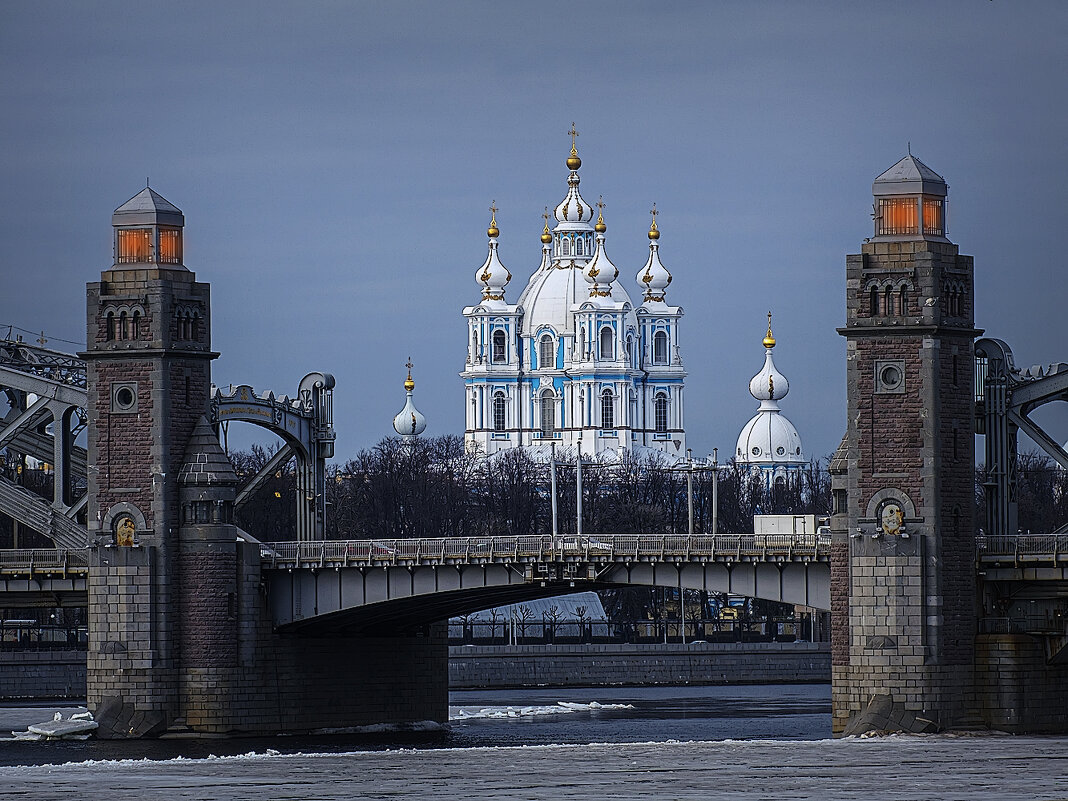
(335, 162)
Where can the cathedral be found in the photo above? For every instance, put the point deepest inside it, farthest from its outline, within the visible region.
(573, 361)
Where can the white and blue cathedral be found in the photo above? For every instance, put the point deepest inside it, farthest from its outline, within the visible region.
(573, 361)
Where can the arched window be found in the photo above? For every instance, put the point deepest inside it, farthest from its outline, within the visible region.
(889, 296)
(499, 345)
(903, 301)
(608, 409)
(546, 352)
(498, 411)
(123, 329)
(548, 414)
(873, 303)
(135, 325)
(660, 347)
(578, 246)
(608, 343)
(566, 247)
(194, 327)
(111, 326)
(660, 412)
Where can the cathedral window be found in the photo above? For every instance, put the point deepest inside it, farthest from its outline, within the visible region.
(660, 347)
(660, 413)
(548, 414)
(608, 417)
(608, 343)
(567, 247)
(499, 346)
(498, 411)
(546, 352)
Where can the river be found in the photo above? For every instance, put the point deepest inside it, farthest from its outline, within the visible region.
(745, 742)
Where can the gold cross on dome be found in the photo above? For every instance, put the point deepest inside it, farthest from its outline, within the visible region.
(654, 212)
(545, 216)
(493, 208)
(409, 365)
(600, 203)
(573, 133)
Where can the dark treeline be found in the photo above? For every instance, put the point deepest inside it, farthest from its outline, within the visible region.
(435, 488)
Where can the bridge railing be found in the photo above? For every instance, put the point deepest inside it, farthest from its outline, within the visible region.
(44, 560)
(1023, 547)
(545, 548)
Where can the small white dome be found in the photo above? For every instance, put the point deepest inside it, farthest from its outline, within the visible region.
(600, 273)
(492, 276)
(654, 276)
(573, 211)
(769, 384)
(409, 422)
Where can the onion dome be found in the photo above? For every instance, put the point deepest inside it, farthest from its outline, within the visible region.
(493, 276)
(654, 276)
(600, 273)
(573, 209)
(769, 385)
(206, 464)
(769, 438)
(409, 422)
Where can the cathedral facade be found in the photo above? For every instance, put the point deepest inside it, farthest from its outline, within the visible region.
(573, 361)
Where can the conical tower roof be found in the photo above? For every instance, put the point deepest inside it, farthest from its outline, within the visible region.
(206, 464)
(148, 207)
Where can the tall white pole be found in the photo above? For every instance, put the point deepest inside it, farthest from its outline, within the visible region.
(715, 491)
(578, 487)
(689, 491)
(552, 483)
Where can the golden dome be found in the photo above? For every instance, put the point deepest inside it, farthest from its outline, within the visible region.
(654, 232)
(493, 231)
(769, 340)
(573, 161)
(546, 237)
(409, 385)
(600, 227)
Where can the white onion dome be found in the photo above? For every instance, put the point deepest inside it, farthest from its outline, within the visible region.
(493, 276)
(769, 438)
(769, 385)
(573, 213)
(409, 422)
(654, 276)
(600, 273)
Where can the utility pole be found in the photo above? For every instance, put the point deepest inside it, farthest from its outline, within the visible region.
(552, 485)
(578, 487)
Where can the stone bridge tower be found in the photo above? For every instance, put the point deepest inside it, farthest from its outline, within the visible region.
(903, 585)
(148, 361)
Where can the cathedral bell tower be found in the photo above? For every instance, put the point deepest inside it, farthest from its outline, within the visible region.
(148, 363)
(903, 574)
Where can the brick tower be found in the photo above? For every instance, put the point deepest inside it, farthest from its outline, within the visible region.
(148, 361)
(903, 580)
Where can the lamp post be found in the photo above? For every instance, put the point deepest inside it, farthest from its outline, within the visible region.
(578, 488)
(715, 491)
(689, 491)
(552, 485)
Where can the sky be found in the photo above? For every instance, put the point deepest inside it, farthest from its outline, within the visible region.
(336, 161)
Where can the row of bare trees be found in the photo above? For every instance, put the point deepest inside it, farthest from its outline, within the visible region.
(435, 488)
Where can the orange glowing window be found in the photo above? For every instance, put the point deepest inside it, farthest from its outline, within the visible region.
(897, 217)
(134, 245)
(170, 245)
(932, 216)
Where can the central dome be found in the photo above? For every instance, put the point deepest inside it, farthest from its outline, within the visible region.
(552, 291)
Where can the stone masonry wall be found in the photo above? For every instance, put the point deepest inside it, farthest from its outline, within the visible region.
(1017, 690)
(595, 665)
(42, 674)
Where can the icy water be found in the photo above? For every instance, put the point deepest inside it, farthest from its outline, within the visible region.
(620, 743)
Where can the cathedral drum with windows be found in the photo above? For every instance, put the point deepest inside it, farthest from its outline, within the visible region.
(573, 361)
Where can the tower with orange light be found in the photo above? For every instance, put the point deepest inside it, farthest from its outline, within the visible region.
(903, 577)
